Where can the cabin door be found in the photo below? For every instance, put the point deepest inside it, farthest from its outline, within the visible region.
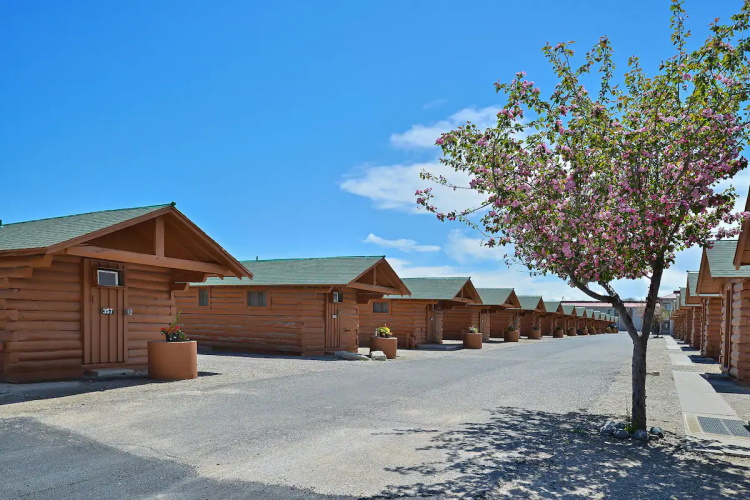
(333, 322)
(434, 324)
(103, 314)
(484, 324)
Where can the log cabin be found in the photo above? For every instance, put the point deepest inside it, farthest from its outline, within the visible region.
(294, 306)
(530, 312)
(582, 317)
(89, 291)
(570, 318)
(706, 320)
(719, 273)
(427, 315)
(551, 320)
(497, 314)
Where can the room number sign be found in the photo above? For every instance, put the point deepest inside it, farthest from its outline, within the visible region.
(108, 311)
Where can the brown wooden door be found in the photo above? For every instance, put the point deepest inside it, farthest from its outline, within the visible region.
(484, 324)
(104, 319)
(333, 323)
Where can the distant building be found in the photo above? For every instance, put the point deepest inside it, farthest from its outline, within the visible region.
(668, 303)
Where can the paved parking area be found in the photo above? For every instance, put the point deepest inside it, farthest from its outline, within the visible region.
(440, 424)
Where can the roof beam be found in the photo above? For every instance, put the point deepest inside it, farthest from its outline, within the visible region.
(148, 260)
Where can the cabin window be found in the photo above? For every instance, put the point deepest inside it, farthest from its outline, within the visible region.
(257, 299)
(338, 296)
(109, 277)
(380, 307)
(203, 297)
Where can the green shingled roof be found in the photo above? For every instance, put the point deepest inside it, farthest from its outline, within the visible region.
(529, 302)
(581, 312)
(721, 260)
(314, 271)
(693, 286)
(494, 296)
(683, 297)
(551, 305)
(569, 309)
(432, 288)
(45, 233)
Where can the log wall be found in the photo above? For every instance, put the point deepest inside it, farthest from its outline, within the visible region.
(500, 320)
(407, 320)
(458, 320)
(294, 319)
(42, 319)
(711, 332)
(735, 342)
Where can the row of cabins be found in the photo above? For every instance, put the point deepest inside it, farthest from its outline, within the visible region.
(90, 291)
(712, 311)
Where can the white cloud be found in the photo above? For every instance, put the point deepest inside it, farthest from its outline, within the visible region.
(392, 187)
(435, 103)
(464, 249)
(424, 136)
(403, 244)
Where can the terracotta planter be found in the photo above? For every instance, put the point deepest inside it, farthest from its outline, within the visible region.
(472, 340)
(558, 334)
(512, 335)
(389, 345)
(172, 360)
(534, 334)
(572, 332)
(584, 331)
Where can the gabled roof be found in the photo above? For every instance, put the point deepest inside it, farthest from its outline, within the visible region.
(742, 251)
(44, 233)
(683, 298)
(322, 271)
(531, 303)
(581, 312)
(458, 288)
(693, 297)
(110, 235)
(553, 306)
(717, 265)
(569, 309)
(498, 297)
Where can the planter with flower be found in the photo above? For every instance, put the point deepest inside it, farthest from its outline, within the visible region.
(472, 338)
(511, 334)
(175, 357)
(572, 332)
(535, 333)
(558, 333)
(585, 330)
(383, 340)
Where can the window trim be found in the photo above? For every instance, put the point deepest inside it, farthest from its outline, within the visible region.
(381, 303)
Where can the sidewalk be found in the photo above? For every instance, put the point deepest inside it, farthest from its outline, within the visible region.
(712, 424)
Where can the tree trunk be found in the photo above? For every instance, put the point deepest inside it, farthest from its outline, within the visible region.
(639, 382)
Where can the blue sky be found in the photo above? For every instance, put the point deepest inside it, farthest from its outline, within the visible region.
(285, 129)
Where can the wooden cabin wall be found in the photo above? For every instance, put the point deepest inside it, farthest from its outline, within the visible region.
(40, 322)
(500, 320)
(548, 323)
(711, 335)
(292, 321)
(295, 320)
(735, 345)
(407, 320)
(528, 321)
(458, 320)
(149, 294)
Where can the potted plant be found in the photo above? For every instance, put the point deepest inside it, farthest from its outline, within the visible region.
(572, 332)
(383, 340)
(511, 334)
(175, 357)
(472, 338)
(535, 333)
(585, 330)
(558, 333)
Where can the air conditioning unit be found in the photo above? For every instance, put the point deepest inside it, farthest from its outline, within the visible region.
(107, 277)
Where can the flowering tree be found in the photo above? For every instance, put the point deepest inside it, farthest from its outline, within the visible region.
(596, 187)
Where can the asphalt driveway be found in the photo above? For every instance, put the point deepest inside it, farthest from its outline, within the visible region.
(410, 427)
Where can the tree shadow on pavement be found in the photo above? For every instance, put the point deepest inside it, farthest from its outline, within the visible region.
(530, 454)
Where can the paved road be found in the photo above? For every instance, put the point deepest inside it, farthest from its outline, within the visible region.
(355, 428)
